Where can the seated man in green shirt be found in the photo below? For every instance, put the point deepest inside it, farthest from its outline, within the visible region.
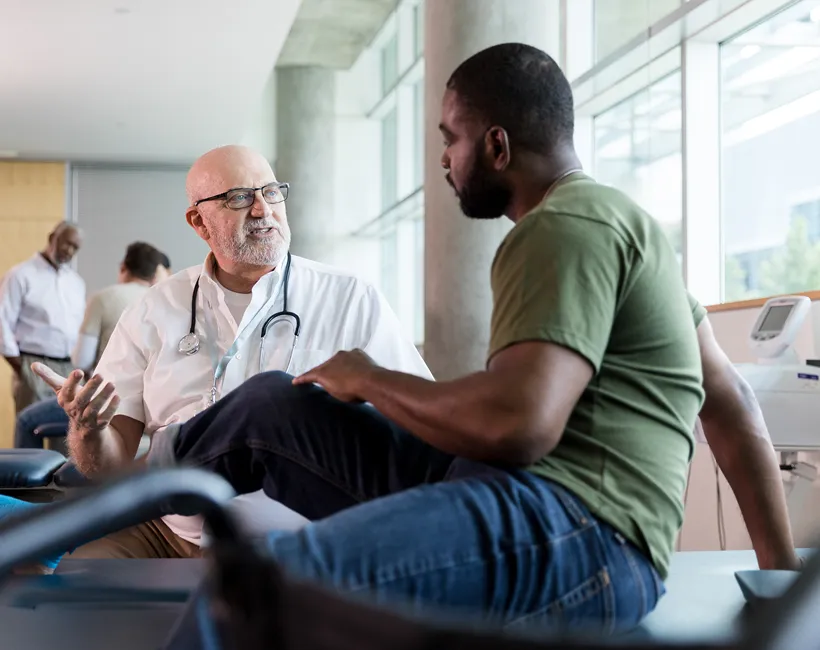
(545, 488)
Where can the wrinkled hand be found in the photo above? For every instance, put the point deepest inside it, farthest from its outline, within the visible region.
(86, 411)
(342, 376)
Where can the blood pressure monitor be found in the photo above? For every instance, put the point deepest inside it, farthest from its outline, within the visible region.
(777, 325)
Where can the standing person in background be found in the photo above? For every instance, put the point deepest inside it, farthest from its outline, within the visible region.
(142, 267)
(41, 308)
(163, 270)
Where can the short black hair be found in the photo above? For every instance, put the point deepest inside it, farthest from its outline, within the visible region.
(521, 89)
(141, 260)
(163, 259)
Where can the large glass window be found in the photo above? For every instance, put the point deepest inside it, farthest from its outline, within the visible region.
(390, 64)
(638, 150)
(402, 251)
(418, 29)
(418, 132)
(619, 21)
(390, 171)
(770, 182)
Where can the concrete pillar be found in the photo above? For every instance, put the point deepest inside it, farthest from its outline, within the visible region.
(458, 250)
(306, 137)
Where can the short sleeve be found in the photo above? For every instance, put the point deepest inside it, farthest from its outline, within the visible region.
(556, 278)
(124, 362)
(11, 301)
(92, 321)
(698, 310)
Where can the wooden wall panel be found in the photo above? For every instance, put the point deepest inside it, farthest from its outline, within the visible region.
(32, 202)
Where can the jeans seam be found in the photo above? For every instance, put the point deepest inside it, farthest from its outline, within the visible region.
(464, 561)
(636, 574)
(253, 445)
(447, 565)
(569, 503)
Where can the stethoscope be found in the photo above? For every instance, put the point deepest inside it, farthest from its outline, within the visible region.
(190, 343)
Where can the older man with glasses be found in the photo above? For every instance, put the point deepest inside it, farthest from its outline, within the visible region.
(205, 330)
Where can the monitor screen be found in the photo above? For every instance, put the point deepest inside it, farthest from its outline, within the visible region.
(775, 318)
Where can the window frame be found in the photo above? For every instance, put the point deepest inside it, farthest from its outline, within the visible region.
(689, 38)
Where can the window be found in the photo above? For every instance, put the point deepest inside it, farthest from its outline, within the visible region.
(619, 21)
(390, 175)
(418, 297)
(390, 64)
(638, 150)
(770, 186)
(418, 30)
(418, 132)
(402, 271)
(390, 277)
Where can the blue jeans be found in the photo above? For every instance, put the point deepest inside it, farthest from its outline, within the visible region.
(40, 413)
(405, 524)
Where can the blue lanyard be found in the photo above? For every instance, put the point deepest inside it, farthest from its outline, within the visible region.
(221, 365)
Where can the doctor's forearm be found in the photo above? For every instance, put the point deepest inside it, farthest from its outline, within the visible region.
(97, 453)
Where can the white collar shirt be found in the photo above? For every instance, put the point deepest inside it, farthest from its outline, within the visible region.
(158, 385)
(41, 309)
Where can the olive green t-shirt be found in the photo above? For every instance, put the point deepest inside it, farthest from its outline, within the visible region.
(698, 310)
(590, 270)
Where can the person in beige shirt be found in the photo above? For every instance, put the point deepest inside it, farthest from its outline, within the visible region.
(142, 267)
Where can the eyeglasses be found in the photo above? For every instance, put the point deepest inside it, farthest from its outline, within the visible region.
(243, 197)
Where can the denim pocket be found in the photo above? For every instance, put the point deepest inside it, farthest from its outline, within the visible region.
(589, 606)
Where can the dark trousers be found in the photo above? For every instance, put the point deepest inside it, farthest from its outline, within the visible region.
(397, 520)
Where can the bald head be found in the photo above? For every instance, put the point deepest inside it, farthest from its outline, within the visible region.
(225, 168)
(253, 237)
(63, 243)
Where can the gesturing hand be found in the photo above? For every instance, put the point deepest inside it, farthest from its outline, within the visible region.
(88, 408)
(341, 375)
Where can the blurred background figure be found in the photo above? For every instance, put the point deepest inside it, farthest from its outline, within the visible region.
(41, 308)
(142, 266)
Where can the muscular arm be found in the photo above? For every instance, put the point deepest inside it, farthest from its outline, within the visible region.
(734, 428)
(512, 413)
(103, 452)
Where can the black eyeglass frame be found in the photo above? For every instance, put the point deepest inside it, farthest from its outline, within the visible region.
(284, 187)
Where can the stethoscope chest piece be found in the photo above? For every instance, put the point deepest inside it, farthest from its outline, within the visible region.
(189, 344)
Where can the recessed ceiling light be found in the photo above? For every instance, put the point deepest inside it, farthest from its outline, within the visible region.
(122, 11)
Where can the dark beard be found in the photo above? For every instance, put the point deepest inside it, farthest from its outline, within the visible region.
(482, 196)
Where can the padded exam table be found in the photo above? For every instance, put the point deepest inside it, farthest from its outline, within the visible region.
(134, 604)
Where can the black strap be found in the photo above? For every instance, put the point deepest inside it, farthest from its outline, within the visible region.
(285, 282)
(193, 307)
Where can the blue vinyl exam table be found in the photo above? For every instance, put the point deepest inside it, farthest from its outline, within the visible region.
(131, 604)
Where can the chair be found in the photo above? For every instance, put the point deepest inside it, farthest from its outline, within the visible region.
(54, 433)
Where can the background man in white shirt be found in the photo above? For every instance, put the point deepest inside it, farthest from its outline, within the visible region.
(142, 266)
(41, 307)
(146, 381)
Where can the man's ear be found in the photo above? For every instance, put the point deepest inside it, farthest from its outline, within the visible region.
(498, 146)
(195, 220)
